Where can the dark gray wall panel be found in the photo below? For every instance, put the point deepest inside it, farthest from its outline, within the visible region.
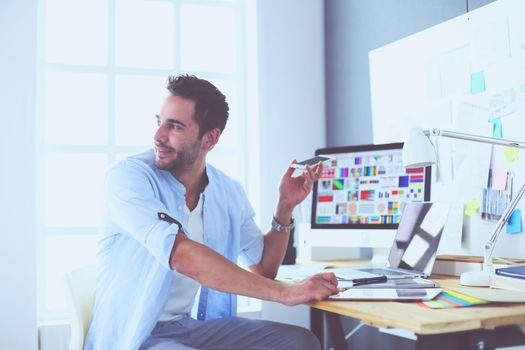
(474, 4)
(352, 29)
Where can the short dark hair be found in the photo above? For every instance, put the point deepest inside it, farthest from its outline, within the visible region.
(211, 108)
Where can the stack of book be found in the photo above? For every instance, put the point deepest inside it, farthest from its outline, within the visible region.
(511, 278)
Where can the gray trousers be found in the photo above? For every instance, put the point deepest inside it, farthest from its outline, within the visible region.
(229, 333)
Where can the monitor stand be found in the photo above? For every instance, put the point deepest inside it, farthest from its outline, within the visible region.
(379, 256)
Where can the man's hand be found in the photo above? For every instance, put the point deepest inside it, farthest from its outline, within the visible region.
(293, 190)
(315, 288)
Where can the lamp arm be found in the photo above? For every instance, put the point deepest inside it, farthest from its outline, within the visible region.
(491, 242)
(476, 138)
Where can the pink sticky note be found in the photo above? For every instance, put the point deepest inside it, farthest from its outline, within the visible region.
(499, 179)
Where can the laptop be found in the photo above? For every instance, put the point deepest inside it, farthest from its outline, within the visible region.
(415, 245)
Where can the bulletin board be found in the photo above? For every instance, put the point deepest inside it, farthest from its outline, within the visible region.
(467, 75)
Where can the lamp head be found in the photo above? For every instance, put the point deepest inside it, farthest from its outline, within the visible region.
(417, 150)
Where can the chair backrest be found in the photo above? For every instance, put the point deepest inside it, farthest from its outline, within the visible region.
(81, 287)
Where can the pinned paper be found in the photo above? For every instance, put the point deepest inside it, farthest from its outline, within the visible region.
(512, 154)
(453, 232)
(514, 224)
(499, 179)
(497, 128)
(472, 207)
(435, 219)
(477, 82)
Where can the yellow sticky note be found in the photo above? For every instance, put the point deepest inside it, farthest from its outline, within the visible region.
(512, 154)
(472, 207)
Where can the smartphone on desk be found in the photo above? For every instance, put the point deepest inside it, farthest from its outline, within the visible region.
(311, 162)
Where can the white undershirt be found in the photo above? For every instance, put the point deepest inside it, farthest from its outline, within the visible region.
(183, 289)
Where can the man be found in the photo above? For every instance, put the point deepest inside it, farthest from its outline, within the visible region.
(174, 225)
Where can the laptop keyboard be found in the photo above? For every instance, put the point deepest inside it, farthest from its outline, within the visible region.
(379, 271)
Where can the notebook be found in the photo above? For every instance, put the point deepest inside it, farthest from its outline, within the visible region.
(415, 245)
(517, 271)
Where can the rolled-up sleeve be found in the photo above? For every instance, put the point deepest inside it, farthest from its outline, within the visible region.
(132, 201)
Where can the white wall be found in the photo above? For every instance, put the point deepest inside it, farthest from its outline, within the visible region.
(291, 89)
(291, 105)
(18, 319)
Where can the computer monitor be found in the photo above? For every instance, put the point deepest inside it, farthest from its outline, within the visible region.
(361, 195)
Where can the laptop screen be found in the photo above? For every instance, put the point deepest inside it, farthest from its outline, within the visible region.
(418, 235)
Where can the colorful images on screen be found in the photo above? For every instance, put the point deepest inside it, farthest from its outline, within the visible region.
(369, 187)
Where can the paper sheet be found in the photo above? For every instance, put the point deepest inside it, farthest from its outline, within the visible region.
(435, 219)
(499, 179)
(490, 42)
(454, 67)
(452, 236)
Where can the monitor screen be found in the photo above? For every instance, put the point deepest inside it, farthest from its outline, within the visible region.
(366, 187)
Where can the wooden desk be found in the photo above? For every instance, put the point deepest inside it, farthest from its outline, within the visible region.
(475, 327)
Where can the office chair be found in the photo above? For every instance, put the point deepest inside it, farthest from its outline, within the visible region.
(81, 287)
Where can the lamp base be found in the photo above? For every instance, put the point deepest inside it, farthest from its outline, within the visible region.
(475, 279)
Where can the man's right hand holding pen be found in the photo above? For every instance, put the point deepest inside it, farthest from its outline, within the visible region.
(315, 288)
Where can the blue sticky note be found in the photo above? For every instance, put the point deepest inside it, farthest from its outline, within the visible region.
(477, 82)
(514, 223)
(497, 128)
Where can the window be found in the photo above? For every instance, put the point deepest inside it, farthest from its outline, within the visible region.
(102, 73)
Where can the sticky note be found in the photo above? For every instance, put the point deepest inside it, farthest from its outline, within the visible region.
(512, 154)
(472, 207)
(514, 224)
(477, 82)
(497, 128)
(522, 89)
(499, 179)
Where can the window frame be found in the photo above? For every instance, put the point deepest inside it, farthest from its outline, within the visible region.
(244, 86)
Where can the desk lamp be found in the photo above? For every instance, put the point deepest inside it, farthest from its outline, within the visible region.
(419, 152)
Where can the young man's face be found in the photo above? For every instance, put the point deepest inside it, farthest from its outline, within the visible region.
(177, 143)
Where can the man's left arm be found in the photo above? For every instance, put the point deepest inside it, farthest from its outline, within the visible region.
(292, 191)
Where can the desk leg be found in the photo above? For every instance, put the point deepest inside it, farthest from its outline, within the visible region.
(317, 324)
(335, 328)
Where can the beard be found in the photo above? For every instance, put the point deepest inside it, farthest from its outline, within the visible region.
(178, 160)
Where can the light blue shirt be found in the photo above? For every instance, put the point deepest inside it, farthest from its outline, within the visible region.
(134, 273)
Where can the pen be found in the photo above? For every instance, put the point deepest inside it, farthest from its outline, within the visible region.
(363, 281)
